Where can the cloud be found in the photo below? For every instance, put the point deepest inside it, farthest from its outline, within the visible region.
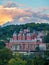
(11, 12)
(13, 4)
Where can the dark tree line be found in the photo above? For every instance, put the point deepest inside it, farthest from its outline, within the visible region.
(7, 31)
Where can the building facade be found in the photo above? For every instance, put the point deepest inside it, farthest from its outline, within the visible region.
(25, 41)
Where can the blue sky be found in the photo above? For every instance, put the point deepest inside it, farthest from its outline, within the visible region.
(39, 8)
(34, 3)
(30, 3)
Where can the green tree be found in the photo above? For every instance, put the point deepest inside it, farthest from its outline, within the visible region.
(2, 44)
(46, 38)
(5, 56)
(30, 62)
(16, 62)
(39, 61)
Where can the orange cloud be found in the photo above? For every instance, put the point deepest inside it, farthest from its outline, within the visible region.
(8, 14)
(4, 19)
(20, 15)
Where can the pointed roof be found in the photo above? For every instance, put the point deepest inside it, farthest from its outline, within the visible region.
(15, 33)
(21, 31)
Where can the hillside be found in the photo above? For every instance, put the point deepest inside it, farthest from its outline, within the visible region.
(7, 31)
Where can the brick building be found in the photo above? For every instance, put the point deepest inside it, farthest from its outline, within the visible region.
(25, 41)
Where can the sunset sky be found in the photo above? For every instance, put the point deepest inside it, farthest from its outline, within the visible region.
(24, 11)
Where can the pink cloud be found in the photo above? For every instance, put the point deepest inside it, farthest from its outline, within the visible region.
(22, 15)
(13, 12)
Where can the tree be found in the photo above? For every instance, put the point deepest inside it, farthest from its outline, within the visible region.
(12, 62)
(46, 38)
(39, 61)
(16, 62)
(5, 56)
(29, 62)
(2, 44)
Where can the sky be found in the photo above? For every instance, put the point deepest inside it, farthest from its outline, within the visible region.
(24, 11)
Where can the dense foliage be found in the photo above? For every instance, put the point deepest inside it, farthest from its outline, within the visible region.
(5, 56)
(7, 31)
(2, 44)
(9, 58)
(46, 38)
